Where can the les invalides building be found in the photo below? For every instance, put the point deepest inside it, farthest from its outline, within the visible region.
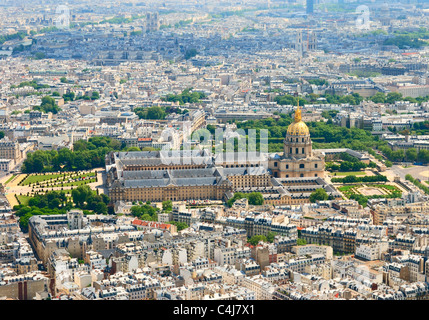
(298, 159)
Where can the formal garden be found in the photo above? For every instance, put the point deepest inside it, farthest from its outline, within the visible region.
(364, 192)
(40, 181)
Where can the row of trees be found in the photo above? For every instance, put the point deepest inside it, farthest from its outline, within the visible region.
(410, 155)
(257, 238)
(55, 202)
(319, 195)
(352, 99)
(354, 179)
(185, 97)
(390, 98)
(86, 155)
(156, 112)
(417, 183)
(421, 127)
(7, 37)
(48, 105)
(254, 198)
(405, 42)
(145, 212)
(32, 83)
(346, 166)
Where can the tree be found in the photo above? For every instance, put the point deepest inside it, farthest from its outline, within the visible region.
(411, 154)
(392, 97)
(180, 225)
(101, 208)
(270, 236)
(301, 242)
(423, 156)
(256, 239)
(256, 199)
(379, 97)
(95, 95)
(318, 195)
(237, 196)
(190, 53)
(167, 205)
(81, 194)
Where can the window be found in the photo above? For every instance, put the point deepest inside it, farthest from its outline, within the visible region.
(303, 150)
(302, 175)
(287, 166)
(275, 164)
(315, 165)
(296, 151)
(301, 166)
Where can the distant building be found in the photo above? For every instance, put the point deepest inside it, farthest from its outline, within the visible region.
(9, 149)
(310, 7)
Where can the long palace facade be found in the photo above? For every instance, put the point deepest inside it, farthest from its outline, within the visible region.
(155, 176)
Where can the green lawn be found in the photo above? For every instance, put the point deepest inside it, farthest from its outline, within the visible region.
(351, 173)
(347, 188)
(54, 178)
(23, 199)
(74, 184)
(39, 178)
(388, 187)
(10, 179)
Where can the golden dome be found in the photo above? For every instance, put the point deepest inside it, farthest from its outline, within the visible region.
(298, 128)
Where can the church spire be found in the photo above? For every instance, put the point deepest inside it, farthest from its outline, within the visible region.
(298, 113)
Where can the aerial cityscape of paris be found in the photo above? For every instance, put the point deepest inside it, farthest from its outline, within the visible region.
(214, 151)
